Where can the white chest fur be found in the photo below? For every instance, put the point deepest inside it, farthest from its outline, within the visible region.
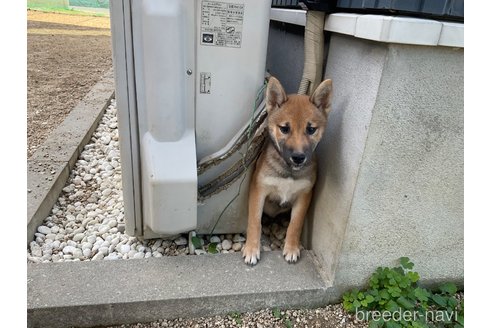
(285, 189)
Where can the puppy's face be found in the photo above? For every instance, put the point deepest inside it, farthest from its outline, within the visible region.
(296, 123)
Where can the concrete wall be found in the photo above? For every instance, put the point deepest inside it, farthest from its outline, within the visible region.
(408, 199)
(355, 72)
(391, 162)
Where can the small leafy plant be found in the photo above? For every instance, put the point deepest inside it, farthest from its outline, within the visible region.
(237, 318)
(394, 299)
(278, 314)
(212, 248)
(199, 244)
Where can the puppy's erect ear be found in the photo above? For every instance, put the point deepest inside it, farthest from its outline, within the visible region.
(275, 94)
(321, 97)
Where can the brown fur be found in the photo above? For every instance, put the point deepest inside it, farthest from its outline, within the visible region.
(285, 172)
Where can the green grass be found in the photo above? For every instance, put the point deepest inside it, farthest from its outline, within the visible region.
(60, 10)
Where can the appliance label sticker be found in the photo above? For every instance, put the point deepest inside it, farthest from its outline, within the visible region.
(222, 24)
(205, 81)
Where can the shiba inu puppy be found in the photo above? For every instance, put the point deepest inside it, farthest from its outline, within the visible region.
(285, 171)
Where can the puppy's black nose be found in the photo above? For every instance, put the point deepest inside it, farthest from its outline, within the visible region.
(298, 158)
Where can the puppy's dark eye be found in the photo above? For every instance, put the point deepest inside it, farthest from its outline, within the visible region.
(284, 129)
(311, 130)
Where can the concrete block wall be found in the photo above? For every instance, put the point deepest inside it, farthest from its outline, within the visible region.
(391, 163)
(356, 73)
(408, 196)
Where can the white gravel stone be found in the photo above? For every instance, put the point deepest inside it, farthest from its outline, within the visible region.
(106, 139)
(157, 244)
(124, 249)
(112, 256)
(87, 221)
(68, 250)
(47, 246)
(106, 192)
(78, 230)
(56, 257)
(226, 244)
(91, 239)
(238, 238)
(77, 253)
(237, 246)
(50, 236)
(47, 254)
(98, 256)
(55, 244)
(78, 237)
(104, 250)
(166, 243)
(181, 241)
(44, 230)
(35, 249)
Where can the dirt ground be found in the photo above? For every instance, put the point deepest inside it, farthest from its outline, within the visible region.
(66, 56)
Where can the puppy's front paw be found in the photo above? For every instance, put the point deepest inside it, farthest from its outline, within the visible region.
(291, 253)
(251, 253)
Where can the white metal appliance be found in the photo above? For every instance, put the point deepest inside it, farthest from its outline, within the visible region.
(187, 76)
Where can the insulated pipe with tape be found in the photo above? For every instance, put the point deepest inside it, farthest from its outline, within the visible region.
(314, 42)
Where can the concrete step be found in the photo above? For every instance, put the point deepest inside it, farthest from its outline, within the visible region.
(98, 293)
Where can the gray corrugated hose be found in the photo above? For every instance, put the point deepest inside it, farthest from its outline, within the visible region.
(314, 42)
